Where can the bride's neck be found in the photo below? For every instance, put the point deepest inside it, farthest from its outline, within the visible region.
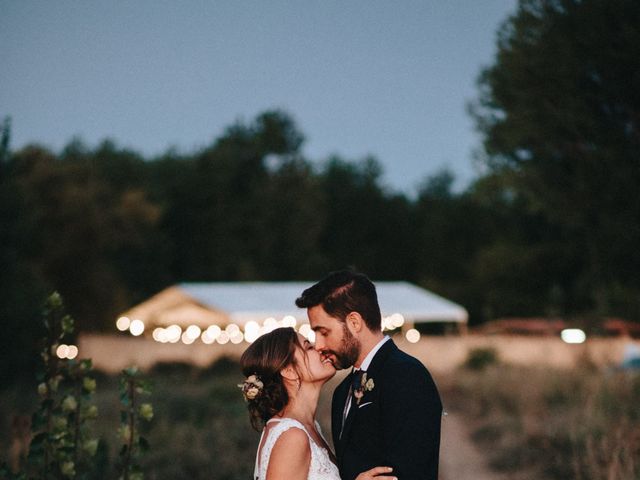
(303, 404)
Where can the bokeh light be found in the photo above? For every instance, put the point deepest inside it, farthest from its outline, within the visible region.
(288, 321)
(251, 331)
(193, 332)
(136, 328)
(186, 338)
(237, 337)
(73, 352)
(123, 323)
(206, 338)
(413, 335)
(160, 335)
(397, 320)
(173, 333)
(232, 329)
(305, 331)
(67, 351)
(269, 325)
(573, 335)
(213, 331)
(62, 351)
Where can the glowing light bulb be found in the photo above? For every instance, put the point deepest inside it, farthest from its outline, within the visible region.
(251, 331)
(73, 352)
(136, 328)
(62, 351)
(186, 339)
(413, 335)
(397, 320)
(573, 335)
(214, 331)
(193, 331)
(123, 323)
(288, 321)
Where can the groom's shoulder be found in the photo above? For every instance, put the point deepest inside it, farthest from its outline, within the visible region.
(401, 363)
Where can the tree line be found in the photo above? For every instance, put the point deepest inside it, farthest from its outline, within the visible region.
(550, 228)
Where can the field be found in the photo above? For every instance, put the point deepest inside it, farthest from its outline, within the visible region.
(539, 423)
(529, 422)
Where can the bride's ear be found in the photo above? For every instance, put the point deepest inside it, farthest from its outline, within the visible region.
(289, 373)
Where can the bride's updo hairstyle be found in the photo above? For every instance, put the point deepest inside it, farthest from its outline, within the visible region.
(261, 363)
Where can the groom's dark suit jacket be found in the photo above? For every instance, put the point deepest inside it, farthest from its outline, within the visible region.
(397, 424)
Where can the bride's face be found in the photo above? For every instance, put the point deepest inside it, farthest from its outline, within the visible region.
(312, 365)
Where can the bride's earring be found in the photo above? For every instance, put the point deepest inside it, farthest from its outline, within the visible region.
(298, 382)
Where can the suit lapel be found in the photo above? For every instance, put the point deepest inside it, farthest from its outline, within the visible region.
(337, 408)
(376, 364)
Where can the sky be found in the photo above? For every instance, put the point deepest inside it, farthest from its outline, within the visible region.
(382, 78)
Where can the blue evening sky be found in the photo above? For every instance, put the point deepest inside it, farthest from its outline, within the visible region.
(385, 78)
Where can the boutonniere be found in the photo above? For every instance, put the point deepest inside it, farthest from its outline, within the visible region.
(366, 385)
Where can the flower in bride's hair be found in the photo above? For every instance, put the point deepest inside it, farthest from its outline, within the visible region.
(251, 387)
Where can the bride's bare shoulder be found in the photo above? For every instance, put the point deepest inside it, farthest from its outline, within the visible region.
(291, 456)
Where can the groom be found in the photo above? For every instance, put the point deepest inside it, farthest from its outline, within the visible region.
(387, 411)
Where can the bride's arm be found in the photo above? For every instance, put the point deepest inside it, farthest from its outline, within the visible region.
(290, 457)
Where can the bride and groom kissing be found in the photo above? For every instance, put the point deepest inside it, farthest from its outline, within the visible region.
(385, 415)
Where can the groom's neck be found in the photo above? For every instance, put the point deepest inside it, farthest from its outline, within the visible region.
(368, 340)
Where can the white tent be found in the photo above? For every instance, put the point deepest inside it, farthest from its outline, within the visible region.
(223, 303)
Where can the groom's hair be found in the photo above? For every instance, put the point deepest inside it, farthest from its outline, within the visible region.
(343, 292)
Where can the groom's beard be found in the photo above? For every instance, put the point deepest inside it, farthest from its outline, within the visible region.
(348, 353)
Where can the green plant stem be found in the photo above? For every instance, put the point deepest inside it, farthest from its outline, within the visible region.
(76, 432)
(131, 388)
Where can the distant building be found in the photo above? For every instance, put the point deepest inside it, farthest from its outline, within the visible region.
(241, 311)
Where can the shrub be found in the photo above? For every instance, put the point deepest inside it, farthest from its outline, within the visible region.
(480, 358)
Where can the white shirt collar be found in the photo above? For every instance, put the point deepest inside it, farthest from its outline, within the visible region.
(367, 360)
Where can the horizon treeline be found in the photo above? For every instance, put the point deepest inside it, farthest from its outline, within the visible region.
(108, 228)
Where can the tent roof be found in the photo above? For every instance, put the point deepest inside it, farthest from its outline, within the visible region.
(246, 301)
(239, 302)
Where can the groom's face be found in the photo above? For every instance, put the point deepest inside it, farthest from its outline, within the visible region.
(333, 338)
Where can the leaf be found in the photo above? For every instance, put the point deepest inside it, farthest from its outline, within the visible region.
(144, 445)
(37, 442)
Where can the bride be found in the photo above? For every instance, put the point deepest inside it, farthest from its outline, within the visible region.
(284, 377)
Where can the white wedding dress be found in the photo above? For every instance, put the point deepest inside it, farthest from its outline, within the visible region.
(321, 466)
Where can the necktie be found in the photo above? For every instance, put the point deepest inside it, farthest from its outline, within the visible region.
(356, 380)
(356, 383)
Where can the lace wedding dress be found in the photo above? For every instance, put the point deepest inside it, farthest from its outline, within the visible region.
(321, 466)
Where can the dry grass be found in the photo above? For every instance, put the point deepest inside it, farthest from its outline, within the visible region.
(582, 424)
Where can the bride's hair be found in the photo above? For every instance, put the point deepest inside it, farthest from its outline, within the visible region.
(265, 358)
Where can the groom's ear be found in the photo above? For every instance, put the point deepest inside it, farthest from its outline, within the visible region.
(354, 322)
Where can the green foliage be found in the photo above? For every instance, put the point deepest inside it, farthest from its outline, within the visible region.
(61, 446)
(5, 139)
(559, 112)
(133, 411)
